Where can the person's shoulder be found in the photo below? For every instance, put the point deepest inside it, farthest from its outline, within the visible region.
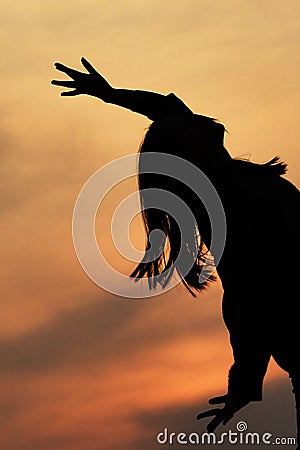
(177, 106)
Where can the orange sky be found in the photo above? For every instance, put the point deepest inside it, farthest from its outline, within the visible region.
(81, 369)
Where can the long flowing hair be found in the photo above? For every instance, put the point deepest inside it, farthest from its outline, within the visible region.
(159, 262)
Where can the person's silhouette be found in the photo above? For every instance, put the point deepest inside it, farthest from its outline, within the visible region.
(260, 262)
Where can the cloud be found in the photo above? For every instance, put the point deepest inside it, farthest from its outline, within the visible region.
(104, 328)
(131, 366)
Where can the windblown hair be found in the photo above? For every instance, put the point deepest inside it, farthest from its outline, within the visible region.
(159, 262)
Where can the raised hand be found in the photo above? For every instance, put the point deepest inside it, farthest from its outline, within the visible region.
(222, 415)
(89, 83)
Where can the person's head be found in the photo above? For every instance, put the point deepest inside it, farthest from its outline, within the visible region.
(199, 140)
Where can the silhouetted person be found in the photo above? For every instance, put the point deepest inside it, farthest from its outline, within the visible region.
(260, 263)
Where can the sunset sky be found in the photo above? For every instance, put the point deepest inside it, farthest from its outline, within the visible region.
(81, 369)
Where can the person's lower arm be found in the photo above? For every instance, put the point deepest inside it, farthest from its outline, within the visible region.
(151, 104)
(246, 382)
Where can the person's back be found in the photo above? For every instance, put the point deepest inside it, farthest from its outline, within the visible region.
(262, 241)
(258, 270)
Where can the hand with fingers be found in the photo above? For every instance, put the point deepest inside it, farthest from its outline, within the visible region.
(89, 83)
(222, 415)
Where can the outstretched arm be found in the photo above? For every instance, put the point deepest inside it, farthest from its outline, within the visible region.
(154, 106)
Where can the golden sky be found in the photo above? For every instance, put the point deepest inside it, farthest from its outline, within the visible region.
(82, 369)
